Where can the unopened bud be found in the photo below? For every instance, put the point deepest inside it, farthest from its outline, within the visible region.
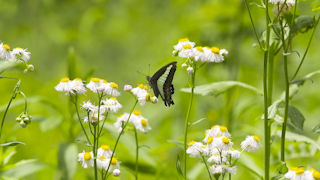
(116, 172)
(175, 53)
(184, 66)
(190, 70)
(30, 67)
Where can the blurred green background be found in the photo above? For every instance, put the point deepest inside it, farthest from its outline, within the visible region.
(115, 39)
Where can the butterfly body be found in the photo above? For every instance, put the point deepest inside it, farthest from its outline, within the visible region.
(161, 83)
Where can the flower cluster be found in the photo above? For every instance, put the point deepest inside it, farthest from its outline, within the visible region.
(135, 118)
(17, 55)
(187, 49)
(218, 148)
(24, 119)
(288, 2)
(103, 158)
(296, 173)
(142, 94)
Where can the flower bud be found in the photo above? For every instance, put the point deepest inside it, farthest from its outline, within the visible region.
(26, 72)
(127, 87)
(23, 124)
(30, 67)
(154, 99)
(196, 58)
(184, 66)
(175, 53)
(190, 70)
(116, 172)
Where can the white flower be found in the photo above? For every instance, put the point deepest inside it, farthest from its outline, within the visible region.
(102, 162)
(64, 86)
(142, 125)
(289, 2)
(215, 54)
(187, 51)
(86, 159)
(216, 158)
(5, 52)
(296, 174)
(216, 169)
(94, 84)
(105, 151)
(110, 105)
(213, 132)
(194, 148)
(93, 117)
(111, 89)
(144, 98)
(223, 143)
(231, 170)
(122, 119)
(190, 70)
(141, 90)
(127, 87)
(115, 164)
(251, 143)
(77, 86)
(234, 153)
(182, 42)
(312, 174)
(21, 55)
(136, 117)
(88, 106)
(210, 145)
(221, 130)
(199, 54)
(116, 172)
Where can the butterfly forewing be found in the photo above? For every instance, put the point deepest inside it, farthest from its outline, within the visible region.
(161, 82)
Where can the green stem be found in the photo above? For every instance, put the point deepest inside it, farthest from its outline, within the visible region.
(95, 152)
(270, 73)
(115, 146)
(137, 153)
(187, 121)
(305, 53)
(254, 29)
(265, 92)
(79, 118)
(5, 113)
(205, 163)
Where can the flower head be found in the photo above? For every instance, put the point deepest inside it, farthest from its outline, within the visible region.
(194, 148)
(102, 162)
(114, 164)
(187, 51)
(199, 54)
(86, 159)
(222, 143)
(251, 143)
(77, 86)
(127, 87)
(183, 42)
(110, 88)
(215, 54)
(105, 151)
(20, 55)
(110, 105)
(88, 106)
(5, 52)
(122, 119)
(142, 125)
(94, 84)
(64, 86)
(296, 174)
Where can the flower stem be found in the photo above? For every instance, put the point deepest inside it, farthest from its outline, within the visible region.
(206, 167)
(76, 105)
(115, 146)
(187, 121)
(265, 92)
(95, 152)
(137, 153)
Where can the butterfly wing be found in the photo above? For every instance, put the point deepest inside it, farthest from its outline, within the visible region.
(161, 83)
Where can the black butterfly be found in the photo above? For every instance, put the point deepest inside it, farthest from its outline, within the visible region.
(161, 81)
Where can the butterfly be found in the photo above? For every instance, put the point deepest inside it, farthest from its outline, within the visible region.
(161, 81)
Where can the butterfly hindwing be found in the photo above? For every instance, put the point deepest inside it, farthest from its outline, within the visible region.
(161, 83)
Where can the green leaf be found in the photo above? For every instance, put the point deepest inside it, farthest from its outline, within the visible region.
(197, 121)
(289, 53)
(273, 109)
(316, 129)
(178, 166)
(50, 123)
(70, 160)
(24, 168)
(214, 89)
(291, 136)
(295, 118)
(5, 65)
(316, 5)
(85, 142)
(12, 143)
(302, 24)
(278, 177)
(177, 143)
(282, 168)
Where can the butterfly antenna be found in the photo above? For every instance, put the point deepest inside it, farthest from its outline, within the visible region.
(141, 73)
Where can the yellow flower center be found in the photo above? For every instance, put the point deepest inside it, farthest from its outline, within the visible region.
(78, 79)
(141, 86)
(316, 174)
(113, 161)
(190, 143)
(114, 85)
(105, 147)
(145, 87)
(209, 140)
(136, 112)
(6, 47)
(231, 149)
(223, 128)
(215, 50)
(95, 79)
(312, 169)
(144, 122)
(17, 48)
(216, 155)
(225, 140)
(207, 47)
(87, 156)
(207, 131)
(104, 81)
(187, 46)
(183, 39)
(64, 79)
(256, 138)
(113, 98)
(200, 49)
(300, 171)
(293, 168)
(148, 97)
(203, 147)
(102, 157)
(120, 115)
(214, 126)
(219, 135)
